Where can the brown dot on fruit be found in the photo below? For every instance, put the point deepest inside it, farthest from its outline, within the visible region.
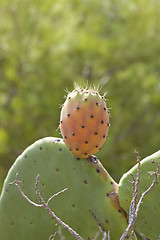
(77, 108)
(86, 142)
(107, 194)
(108, 124)
(77, 149)
(96, 146)
(70, 149)
(91, 116)
(69, 98)
(99, 148)
(82, 126)
(68, 115)
(65, 136)
(104, 109)
(103, 136)
(96, 133)
(73, 134)
(61, 121)
(85, 153)
(102, 121)
(97, 103)
(86, 99)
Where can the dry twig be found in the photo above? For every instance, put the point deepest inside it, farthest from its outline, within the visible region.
(52, 237)
(45, 205)
(134, 207)
(104, 234)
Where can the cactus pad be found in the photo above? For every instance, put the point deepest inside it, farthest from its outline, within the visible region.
(84, 122)
(89, 188)
(148, 220)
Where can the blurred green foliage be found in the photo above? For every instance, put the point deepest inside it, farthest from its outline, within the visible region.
(47, 45)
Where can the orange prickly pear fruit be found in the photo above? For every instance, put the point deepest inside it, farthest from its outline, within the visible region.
(84, 122)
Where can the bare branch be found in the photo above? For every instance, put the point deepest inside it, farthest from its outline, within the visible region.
(132, 235)
(45, 205)
(104, 234)
(56, 194)
(134, 207)
(17, 183)
(52, 237)
(149, 189)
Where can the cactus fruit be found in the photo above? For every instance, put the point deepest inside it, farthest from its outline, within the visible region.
(148, 220)
(89, 188)
(84, 122)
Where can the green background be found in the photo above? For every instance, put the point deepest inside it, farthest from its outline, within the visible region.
(47, 45)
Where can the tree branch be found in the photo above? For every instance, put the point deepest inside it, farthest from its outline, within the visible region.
(104, 234)
(134, 207)
(45, 205)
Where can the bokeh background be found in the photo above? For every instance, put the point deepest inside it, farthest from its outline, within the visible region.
(47, 45)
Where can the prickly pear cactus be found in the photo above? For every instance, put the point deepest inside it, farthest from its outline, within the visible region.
(84, 122)
(148, 221)
(89, 188)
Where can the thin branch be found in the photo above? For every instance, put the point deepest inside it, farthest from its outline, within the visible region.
(56, 194)
(45, 205)
(17, 183)
(135, 189)
(104, 234)
(132, 233)
(149, 189)
(134, 207)
(52, 237)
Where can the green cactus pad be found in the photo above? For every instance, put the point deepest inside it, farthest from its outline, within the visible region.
(148, 221)
(89, 188)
